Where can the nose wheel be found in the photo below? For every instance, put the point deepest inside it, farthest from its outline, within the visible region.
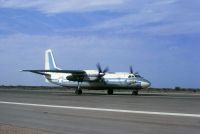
(135, 92)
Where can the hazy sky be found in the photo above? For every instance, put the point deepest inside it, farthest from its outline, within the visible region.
(160, 38)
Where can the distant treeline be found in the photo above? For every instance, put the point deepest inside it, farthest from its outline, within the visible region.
(174, 89)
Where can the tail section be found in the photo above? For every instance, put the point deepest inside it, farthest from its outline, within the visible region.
(49, 61)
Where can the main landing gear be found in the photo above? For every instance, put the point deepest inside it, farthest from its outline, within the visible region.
(110, 92)
(135, 92)
(78, 91)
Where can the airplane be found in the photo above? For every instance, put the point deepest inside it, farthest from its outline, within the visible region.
(100, 79)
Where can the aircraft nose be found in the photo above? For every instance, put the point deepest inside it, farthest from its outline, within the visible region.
(145, 84)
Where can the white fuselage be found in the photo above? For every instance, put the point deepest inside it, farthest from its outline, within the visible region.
(118, 80)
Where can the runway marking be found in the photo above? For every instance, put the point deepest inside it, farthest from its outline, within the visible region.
(102, 109)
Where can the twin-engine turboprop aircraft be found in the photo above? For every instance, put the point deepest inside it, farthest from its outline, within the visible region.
(91, 79)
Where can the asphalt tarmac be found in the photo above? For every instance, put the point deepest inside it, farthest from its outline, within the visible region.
(94, 112)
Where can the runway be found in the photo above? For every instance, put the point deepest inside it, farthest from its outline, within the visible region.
(94, 112)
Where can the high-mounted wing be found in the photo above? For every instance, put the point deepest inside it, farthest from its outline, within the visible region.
(43, 72)
(76, 75)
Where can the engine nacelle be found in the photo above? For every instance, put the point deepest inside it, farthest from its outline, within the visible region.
(74, 78)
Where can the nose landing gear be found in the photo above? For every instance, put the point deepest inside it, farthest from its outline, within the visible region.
(135, 92)
(78, 91)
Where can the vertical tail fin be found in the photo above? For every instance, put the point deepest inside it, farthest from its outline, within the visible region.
(49, 61)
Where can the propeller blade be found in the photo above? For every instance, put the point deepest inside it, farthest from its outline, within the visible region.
(137, 73)
(106, 70)
(131, 69)
(99, 68)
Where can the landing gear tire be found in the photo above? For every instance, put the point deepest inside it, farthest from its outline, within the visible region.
(135, 93)
(110, 92)
(78, 92)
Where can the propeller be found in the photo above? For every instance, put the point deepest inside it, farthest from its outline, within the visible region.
(101, 72)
